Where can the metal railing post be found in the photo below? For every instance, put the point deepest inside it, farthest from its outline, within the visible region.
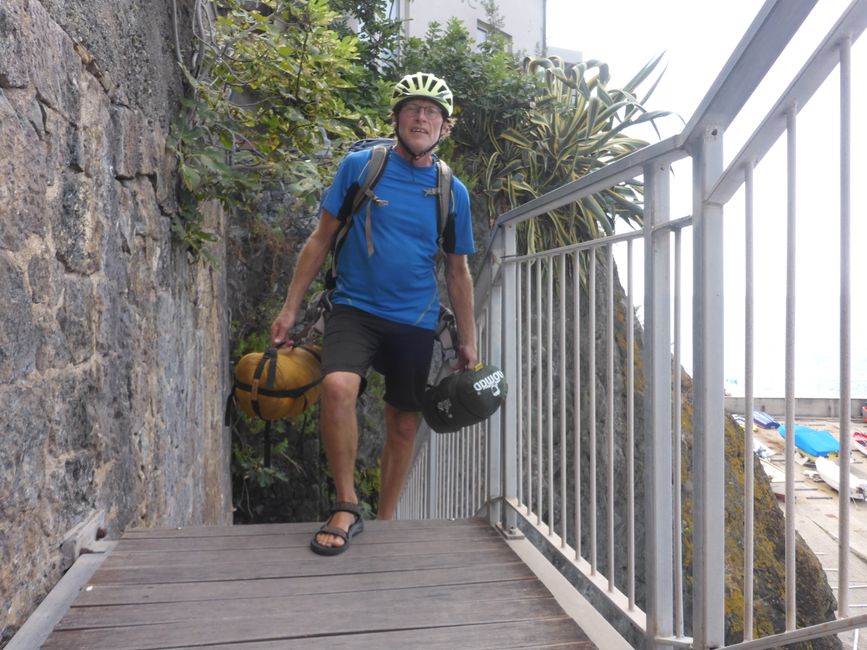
(509, 416)
(432, 475)
(657, 366)
(708, 452)
(493, 353)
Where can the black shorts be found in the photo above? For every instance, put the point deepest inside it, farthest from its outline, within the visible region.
(356, 341)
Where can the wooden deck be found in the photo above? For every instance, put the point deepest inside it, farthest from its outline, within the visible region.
(404, 584)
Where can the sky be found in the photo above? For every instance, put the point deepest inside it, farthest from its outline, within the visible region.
(696, 38)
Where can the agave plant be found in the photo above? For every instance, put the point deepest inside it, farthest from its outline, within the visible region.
(578, 125)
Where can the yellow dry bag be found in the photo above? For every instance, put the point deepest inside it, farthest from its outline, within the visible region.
(278, 384)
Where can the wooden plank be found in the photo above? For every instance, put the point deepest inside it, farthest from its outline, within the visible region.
(445, 525)
(185, 591)
(425, 598)
(301, 539)
(246, 556)
(314, 619)
(309, 565)
(559, 633)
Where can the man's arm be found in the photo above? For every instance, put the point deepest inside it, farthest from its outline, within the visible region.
(460, 287)
(310, 260)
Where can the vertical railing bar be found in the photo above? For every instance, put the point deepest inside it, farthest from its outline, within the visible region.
(447, 460)
(564, 511)
(708, 450)
(468, 470)
(424, 504)
(459, 473)
(576, 396)
(660, 520)
(472, 501)
(453, 474)
(630, 429)
(519, 381)
(591, 310)
(845, 321)
(549, 398)
(456, 474)
(749, 456)
(439, 467)
(791, 597)
(433, 478)
(465, 472)
(609, 407)
(447, 474)
(480, 486)
(458, 504)
(530, 365)
(677, 436)
(539, 402)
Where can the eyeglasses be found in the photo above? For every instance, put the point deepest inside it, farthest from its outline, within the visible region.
(429, 111)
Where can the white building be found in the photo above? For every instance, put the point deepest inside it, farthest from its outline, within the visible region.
(523, 20)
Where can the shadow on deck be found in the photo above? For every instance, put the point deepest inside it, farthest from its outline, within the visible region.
(402, 584)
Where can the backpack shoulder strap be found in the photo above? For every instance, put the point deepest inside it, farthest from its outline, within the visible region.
(355, 197)
(375, 167)
(444, 199)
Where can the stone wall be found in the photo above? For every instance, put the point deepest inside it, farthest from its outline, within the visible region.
(113, 364)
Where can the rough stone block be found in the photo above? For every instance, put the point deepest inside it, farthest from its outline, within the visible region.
(76, 318)
(18, 336)
(13, 65)
(126, 142)
(22, 190)
(36, 52)
(79, 235)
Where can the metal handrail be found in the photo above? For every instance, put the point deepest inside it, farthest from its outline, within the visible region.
(507, 466)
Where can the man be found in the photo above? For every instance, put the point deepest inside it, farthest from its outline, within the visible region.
(385, 302)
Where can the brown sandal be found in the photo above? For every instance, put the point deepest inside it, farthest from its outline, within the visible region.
(346, 535)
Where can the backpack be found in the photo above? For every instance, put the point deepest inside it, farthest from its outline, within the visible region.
(357, 194)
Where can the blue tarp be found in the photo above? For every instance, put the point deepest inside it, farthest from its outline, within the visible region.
(813, 442)
(764, 420)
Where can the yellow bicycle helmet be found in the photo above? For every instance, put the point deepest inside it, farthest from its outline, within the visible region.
(425, 86)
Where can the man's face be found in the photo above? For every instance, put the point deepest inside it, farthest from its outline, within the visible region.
(419, 123)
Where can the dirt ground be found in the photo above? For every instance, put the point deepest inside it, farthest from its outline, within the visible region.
(817, 512)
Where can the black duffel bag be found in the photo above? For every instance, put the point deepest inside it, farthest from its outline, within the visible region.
(464, 399)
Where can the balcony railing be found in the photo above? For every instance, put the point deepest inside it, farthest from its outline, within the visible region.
(585, 457)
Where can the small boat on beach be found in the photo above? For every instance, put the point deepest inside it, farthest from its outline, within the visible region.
(813, 443)
(830, 473)
(859, 442)
(764, 420)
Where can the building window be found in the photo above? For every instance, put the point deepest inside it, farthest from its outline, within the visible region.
(484, 31)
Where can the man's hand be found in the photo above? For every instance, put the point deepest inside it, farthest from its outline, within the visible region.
(281, 327)
(466, 358)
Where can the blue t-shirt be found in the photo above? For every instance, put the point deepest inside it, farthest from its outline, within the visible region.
(397, 282)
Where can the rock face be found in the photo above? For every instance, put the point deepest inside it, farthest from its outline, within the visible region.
(112, 341)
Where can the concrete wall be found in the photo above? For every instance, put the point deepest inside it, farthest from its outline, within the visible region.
(812, 407)
(112, 340)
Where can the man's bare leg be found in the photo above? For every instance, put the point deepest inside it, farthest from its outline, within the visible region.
(338, 426)
(400, 429)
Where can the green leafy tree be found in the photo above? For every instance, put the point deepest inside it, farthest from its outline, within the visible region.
(378, 38)
(265, 107)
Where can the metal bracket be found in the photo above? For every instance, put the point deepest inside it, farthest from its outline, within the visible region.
(82, 538)
(512, 532)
